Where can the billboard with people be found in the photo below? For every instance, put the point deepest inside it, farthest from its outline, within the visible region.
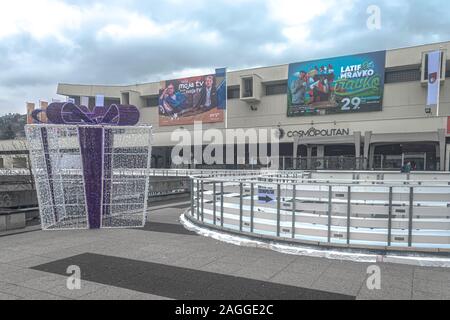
(201, 98)
(337, 85)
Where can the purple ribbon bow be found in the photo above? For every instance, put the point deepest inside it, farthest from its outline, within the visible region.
(70, 113)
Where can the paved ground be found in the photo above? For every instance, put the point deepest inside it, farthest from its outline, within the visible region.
(165, 261)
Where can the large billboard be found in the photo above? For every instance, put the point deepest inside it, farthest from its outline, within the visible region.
(337, 85)
(201, 98)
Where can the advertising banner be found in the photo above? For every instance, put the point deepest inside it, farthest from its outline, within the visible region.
(43, 105)
(30, 109)
(337, 85)
(434, 71)
(201, 98)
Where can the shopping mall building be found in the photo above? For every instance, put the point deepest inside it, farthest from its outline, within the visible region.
(401, 129)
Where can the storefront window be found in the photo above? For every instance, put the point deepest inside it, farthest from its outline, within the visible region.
(392, 157)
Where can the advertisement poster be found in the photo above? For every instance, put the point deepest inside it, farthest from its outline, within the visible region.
(434, 71)
(201, 98)
(337, 85)
(30, 109)
(43, 105)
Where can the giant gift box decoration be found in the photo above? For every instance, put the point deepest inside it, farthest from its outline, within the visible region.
(90, 167)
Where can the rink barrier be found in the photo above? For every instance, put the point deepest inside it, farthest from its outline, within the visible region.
(397, 214)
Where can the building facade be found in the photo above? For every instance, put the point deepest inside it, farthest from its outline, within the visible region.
(404, 130)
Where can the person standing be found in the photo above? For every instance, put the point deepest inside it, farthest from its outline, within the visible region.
(171, 102)
(298, 89)
(208, 95)
(406, 168)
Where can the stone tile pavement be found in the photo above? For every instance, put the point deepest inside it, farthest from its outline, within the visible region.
(170, 246)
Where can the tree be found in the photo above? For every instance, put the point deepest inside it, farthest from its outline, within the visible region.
(12, 126)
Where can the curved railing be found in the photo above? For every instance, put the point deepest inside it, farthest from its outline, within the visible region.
(395, 214)
(325, 175)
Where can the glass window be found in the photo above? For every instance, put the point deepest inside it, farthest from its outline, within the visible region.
(234, 92)
(248, 88)
(273, 89)
(20, 163)
(110, 101)
(77, 100)
(152, 101)
(402, 75)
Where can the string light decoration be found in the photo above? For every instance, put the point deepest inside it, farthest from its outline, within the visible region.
(91, 167)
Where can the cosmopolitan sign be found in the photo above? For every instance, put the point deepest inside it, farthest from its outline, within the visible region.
(313, 132)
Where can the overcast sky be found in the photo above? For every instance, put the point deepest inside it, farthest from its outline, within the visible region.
(44, 42)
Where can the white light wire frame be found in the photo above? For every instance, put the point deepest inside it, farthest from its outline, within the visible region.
(60, 181)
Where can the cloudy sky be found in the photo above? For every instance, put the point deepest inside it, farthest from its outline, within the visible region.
(43, 42)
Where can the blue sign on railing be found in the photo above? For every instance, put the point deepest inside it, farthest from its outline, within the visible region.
(266, 194)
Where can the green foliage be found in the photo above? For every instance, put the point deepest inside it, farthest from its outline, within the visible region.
(12, 126)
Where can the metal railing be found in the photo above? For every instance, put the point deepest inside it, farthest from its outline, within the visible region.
(344, 176)
(363, 209)
(390, 215)
(322, 163)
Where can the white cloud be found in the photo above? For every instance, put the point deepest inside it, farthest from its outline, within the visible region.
(43, 42)
(275, 48)
(188, 72)
(39, 18)
(136, 26)
(297, 12)
(296, 16)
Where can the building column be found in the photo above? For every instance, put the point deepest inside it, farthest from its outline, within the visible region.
(320, 151)
(441, 136)
(371, 156)
(308, 156)
(447, 166)
(321, 154)
(367, 139)
(294, 153)
(357, 137)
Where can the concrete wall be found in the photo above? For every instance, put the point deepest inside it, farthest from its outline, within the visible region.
(12, 221)
(16, 161)
(13, 153)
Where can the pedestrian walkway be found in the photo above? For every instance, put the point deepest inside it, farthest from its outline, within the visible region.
(165, 261)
